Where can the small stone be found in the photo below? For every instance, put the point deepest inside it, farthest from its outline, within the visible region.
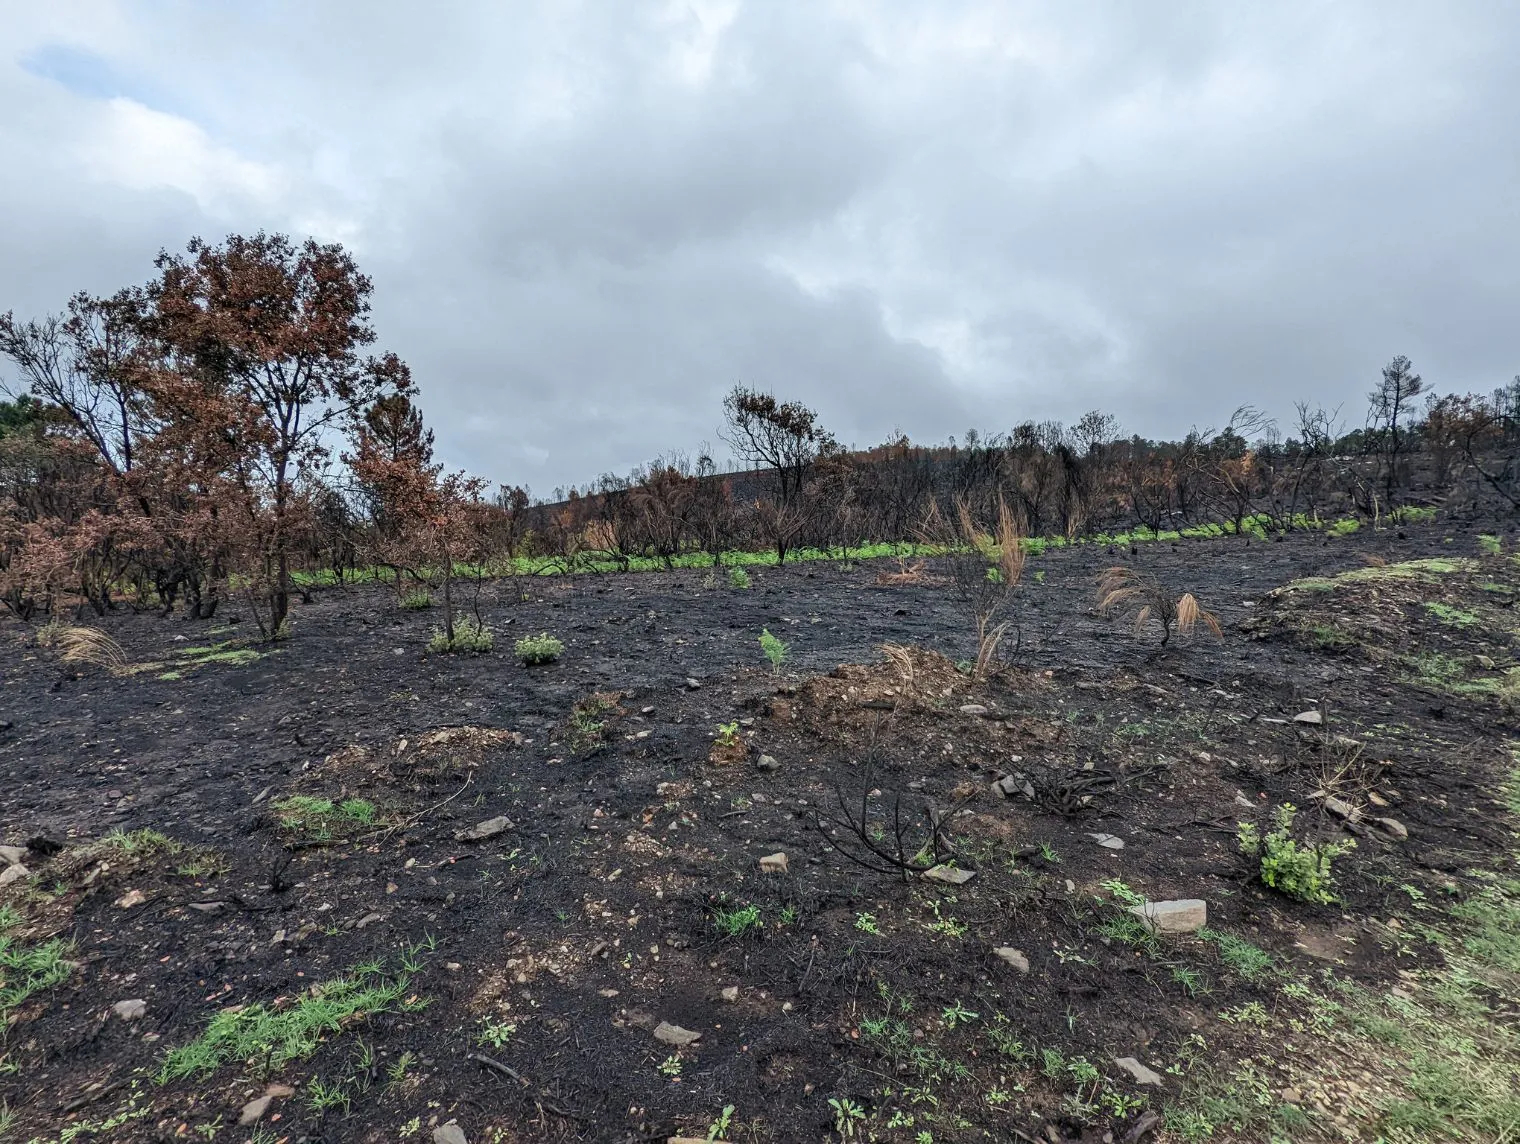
(208, 907)
(12, 855)
(1394, 827)
(1184, 916)
(693, 684)
(1010, 785)
(13, 874)
(1137, 1070)
(450, 1133)
(773, 863)
(490, 828)
(369, 920)
(1485, 662)
(1109, 841)
(973, 709)
(767, 763)
(1243, 801)
(130, 1010)
(254, 1110)
(950, 875)
(129, 899)
(730, 993)
(675, 1035)
(1376, 799)
(1013, 957)
(1291, 1096)
(1313, 718)
(1342, 809)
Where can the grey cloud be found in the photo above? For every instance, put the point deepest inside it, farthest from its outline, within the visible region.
(911, 216)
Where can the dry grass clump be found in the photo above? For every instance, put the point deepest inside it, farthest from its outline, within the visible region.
(1125, 590)
(76, 644)
(915, 573)
(984, 569)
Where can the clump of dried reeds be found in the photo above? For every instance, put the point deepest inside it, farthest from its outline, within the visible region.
(76, 644)
(1126, 590)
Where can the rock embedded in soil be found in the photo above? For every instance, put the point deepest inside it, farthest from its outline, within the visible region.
(450, 1133)
(1313, 718)
(950, 875)
(13, 874)
(254, 1110)
(12, 855)
(1010, 785)
(1186, 915)
(131, 1010)
(973, 709)
(490, 828)
(675, 1035)
(773, 863)
(1108, 841)
(1137, 1070)
(767, 763)
(130, 898)
(1393, 827)
(730, 993)
(1013, 957)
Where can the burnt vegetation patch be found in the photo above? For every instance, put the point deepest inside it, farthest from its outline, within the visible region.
(1053, 786)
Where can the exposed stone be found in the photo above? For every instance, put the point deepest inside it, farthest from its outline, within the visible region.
(973, 709)
(130, 1010)
(1313, 718)
(675, 1035)
(450, 1133)
(1342, 809)
(1183, 916)
(255, 1109)
(1393, 826)
(1244, 802)
(692, 684)
(1013, 957)
(1010, 785)
(129, 899)
(950, 875)
(208, 907)
(773, 863)
(490, 828)
(13, 874)
(767, 763)
(1110, 841)
(369, 920)
(730, 993)
(1137, 1070)
(11, 855)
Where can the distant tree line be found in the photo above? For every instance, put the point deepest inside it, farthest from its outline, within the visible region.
(224, 429)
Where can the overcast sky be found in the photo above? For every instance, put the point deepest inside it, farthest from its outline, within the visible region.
(586, 221)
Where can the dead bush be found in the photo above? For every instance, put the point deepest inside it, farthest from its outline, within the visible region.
(1126, 590)
(81, 645)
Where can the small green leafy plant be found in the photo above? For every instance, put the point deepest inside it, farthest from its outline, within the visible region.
(738, 578)
(542, 648)
(738, 921)
(1300, 870)
(774, 650)
(728, 734)
(417, 600)
(847, 1116)
(470, 635)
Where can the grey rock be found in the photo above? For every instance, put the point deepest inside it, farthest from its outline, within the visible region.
(767, 763)
(490, 828)
(1242, 801)
(208, 907)
(12, 855)
(1186, 915)
(1010, 785)
(130, 1010)
(730, 993)
(450, 1133)
(693, 684)
(13, 874)
(773, 863)
(369, 920)
(973, 709)
(1393, 826)
(1109, 841)
(950, 875)
(675, 1035)
(1137, 1070)
(254, 1110)
(1342, 809)
(1313, 718)
(1013, 957)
